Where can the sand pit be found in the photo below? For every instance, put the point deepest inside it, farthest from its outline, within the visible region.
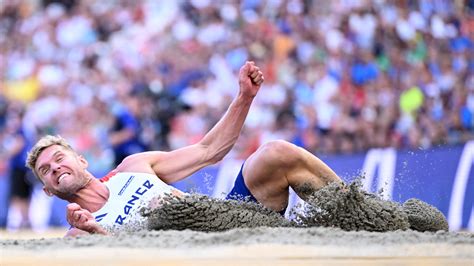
(252, 246)
(340, 224)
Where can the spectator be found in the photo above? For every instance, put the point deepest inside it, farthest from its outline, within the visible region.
(17, 143)
(125, 134)
(342, 76)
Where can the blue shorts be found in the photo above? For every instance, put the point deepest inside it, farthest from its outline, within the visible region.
(241, 192)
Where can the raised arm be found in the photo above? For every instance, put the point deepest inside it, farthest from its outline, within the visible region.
(222, 137)
(175, 165)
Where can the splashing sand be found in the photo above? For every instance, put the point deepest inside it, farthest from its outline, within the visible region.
(347, 207)
(350, 208)
(220, 223)
(202, 213)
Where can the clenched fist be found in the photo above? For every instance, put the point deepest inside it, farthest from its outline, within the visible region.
(82, 219)
(250, 79)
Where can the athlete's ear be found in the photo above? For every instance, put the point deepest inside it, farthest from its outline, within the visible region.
(47, 191)
(83, 161)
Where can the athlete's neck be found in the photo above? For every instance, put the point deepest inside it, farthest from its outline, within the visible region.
(92, 196)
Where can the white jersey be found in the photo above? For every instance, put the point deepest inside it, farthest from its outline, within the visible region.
(128, 193)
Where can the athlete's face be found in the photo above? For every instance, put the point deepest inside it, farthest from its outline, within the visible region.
(63, 171)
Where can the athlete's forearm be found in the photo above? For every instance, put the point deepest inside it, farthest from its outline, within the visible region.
(178, 164)
(222, 137)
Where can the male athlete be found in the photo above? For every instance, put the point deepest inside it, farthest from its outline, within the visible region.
(96, 205)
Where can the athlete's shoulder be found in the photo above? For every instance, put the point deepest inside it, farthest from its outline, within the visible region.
(108, 176)
(138, 163)
(115, 174)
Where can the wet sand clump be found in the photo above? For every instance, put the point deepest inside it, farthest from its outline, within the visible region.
(202, 213)
(424, 217)
(350, 208)
(345, 206)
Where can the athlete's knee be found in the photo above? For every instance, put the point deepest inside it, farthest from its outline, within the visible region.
(282, 152)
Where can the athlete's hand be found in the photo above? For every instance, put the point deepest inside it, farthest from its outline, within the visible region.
(82, 219)
(250, 79)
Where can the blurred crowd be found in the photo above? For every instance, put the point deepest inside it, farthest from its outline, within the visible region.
(123, 76)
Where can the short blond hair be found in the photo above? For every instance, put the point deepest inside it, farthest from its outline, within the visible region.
(42, 144)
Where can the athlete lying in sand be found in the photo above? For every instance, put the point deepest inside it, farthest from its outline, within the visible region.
(111, 201)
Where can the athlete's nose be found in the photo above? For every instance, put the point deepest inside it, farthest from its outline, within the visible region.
(55, 167)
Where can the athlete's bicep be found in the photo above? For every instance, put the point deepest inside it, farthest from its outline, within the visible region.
(175, 165)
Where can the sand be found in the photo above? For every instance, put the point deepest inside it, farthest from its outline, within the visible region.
(339, 205)
(338, 222)
(350, 208)
(246, 246)
(314, 236)
(424, 217)
(202, 213)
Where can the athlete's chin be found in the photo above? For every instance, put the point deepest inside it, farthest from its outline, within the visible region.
(66, 190)
(72, 185)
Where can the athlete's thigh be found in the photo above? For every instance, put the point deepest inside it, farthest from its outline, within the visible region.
(266, 181)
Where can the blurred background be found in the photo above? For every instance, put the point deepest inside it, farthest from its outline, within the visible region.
(377, 88)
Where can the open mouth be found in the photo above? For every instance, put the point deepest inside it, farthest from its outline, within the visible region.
(62, 176)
